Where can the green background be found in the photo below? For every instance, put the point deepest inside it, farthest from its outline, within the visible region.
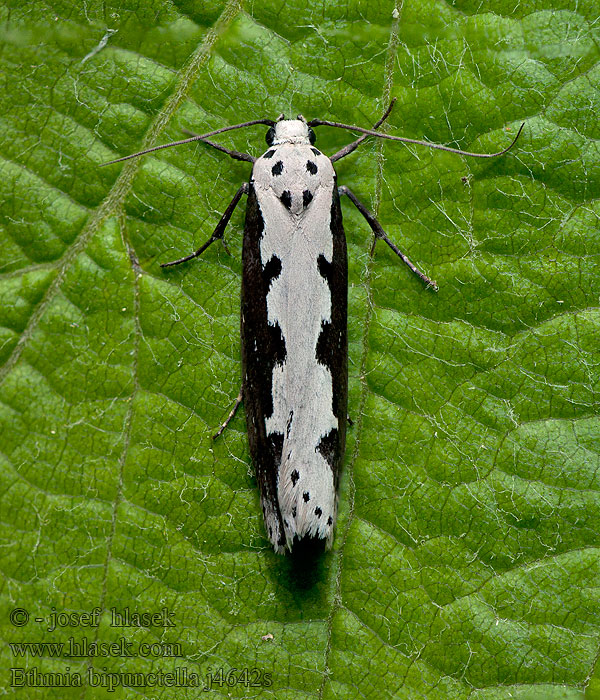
(466, 560)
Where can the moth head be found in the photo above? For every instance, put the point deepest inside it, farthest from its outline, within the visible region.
(290, 131)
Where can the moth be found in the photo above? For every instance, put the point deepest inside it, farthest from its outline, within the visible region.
(294, 319)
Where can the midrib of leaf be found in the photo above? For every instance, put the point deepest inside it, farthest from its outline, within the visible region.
(368, 285)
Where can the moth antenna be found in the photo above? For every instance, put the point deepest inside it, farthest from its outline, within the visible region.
(370, 132)
(200, 137)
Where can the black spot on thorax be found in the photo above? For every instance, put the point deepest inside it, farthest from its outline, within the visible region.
(311, 167)
(286, 199)
(277, 169)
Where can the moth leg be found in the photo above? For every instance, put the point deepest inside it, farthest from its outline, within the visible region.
(355, 144)
(380, 233)
(236, 155)
(232, 413)
(219, 229)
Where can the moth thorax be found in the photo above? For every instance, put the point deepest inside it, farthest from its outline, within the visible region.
(291, 131)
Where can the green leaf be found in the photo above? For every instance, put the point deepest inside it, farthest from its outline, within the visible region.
(467, 553)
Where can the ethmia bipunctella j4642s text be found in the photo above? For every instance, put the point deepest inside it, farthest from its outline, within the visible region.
(294, 318)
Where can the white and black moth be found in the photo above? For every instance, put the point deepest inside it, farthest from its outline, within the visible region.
(294, 321)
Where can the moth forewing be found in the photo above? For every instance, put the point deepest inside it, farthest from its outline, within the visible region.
(294, 344)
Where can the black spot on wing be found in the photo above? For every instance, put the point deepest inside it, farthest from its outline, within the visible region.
(294, 511)
(325, 268)
(311, 167)
(286, 199)
(271, 271)
(273, 345)
(330, 521)
(295, 476)
(306, 496)
(289, 424)
(318, 512)
(329, 446)
(306, 198)
(269, 154)
(277, 346)
(277, 169)
(329, 344)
